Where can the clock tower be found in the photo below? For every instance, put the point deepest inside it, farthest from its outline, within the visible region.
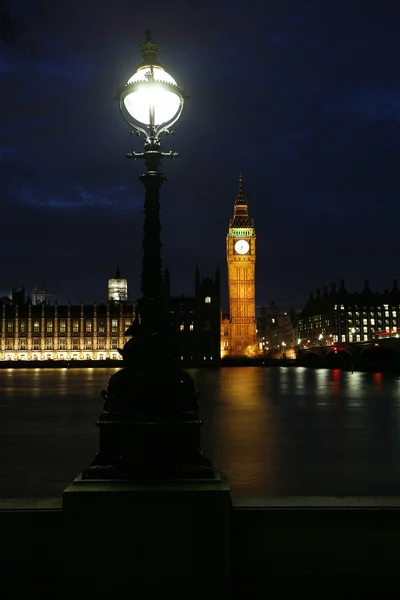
(241, 258)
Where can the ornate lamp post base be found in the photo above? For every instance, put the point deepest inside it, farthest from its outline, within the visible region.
(150, 424)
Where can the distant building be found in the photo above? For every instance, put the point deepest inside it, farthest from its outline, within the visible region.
(196, 321)
(117, 288)
(65, 332)
(17, 294)
(276, 329)
(340, 316)
(39, 294)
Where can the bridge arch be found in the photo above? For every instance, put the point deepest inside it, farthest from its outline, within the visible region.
(379, 357)
(338, 358)
(311, 358)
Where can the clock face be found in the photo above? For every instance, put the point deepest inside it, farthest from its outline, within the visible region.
(242, 247)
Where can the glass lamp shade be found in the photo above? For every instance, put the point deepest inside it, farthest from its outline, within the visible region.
(150, 95)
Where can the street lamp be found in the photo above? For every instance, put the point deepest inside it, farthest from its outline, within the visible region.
(151, 102)
(353, 331)
(150, 425)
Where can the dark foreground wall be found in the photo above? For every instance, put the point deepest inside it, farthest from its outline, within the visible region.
(272, 537)
(317, 537)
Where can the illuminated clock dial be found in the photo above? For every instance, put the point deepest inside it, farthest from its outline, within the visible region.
(242, 247)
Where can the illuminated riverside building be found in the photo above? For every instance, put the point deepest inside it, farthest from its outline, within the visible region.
(63, 332)
(238, 331)
(277, 329)
(338, 316)
(43, 332)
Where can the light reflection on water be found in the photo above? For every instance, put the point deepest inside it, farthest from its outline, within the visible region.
(273, 430)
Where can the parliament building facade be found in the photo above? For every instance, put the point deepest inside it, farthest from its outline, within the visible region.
(63, 332)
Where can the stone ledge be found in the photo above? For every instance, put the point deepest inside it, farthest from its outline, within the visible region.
(239, 502)
(31, 504)
(311, 502)
(79, 485)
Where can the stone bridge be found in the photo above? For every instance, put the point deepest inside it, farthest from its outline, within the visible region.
(372, 354)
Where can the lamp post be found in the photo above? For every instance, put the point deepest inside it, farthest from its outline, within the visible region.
(151, 102)
(150, 425)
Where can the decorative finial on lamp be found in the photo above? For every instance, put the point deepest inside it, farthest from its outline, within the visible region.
(149, 50)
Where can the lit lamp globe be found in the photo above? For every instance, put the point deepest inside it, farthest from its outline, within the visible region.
(151, 101)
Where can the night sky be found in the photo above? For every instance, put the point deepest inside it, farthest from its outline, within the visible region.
(302, 97)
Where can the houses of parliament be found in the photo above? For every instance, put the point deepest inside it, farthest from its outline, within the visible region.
(32, 329)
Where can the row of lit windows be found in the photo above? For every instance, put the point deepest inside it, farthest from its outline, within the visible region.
(49, 345)
(357, 323)
(373, 321)
(182, 327)
(373, 315)
(62, 327)
(364, 313)
(365, 308)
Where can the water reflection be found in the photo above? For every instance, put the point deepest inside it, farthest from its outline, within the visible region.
(245, 399)
(273, 430)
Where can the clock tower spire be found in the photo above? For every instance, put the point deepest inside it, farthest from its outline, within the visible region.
(241, 259)
(240, 209)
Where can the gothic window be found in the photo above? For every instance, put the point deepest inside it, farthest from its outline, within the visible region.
(207, 300)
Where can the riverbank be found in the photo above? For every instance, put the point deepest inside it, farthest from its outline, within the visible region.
(60, 364)
(226, 362)
(83, 364)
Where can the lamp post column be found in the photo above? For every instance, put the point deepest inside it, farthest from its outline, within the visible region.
(151, 304)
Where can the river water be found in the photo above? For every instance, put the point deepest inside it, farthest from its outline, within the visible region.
(275, 431)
